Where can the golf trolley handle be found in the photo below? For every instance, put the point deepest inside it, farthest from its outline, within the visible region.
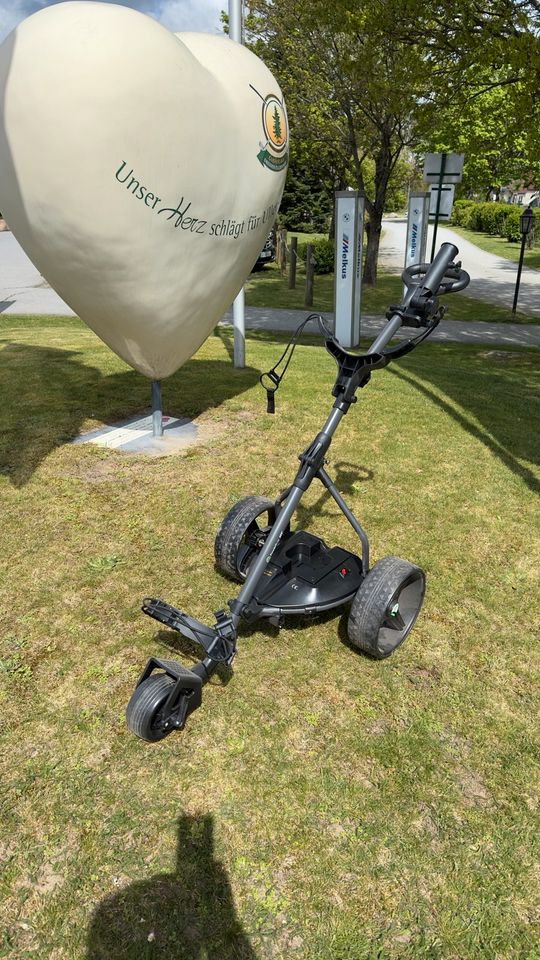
(437, 269)
(423, 294)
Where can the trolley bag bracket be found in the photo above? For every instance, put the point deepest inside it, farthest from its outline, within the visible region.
(219, 641)
(354, 371)
(185, 695)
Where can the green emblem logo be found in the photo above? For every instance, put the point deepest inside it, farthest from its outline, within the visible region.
(273, 152)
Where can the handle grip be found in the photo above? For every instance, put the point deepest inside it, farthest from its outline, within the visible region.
(438, 267)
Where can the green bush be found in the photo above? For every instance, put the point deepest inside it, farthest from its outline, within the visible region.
(511, 224)
(461, 213)
(497, 219)
(323, 251)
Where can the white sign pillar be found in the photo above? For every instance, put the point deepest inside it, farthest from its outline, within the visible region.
(349, 221)
(239, 321)
(417, 227)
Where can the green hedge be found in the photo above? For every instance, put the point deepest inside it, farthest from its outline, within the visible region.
(497, 219)
(323, 251)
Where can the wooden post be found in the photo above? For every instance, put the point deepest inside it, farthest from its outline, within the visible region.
(292, 263)
(310, 270)
(281, 251)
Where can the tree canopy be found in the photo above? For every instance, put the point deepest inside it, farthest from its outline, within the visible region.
(367, 80)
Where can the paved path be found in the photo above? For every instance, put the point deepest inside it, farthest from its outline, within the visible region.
(502, 334)
(24, 291)
(493, 278)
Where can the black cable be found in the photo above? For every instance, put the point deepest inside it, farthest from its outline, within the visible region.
(273, 375)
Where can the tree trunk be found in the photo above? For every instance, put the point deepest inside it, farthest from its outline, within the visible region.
(332, 227)
(385, 162)
(373, 230)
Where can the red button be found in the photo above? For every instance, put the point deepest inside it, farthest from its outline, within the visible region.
(343, 571)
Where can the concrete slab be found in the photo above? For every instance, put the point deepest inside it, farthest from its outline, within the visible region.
(135, 436)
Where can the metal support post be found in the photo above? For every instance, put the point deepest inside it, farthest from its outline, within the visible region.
(239, 323)
(157, 409)
(520, 267)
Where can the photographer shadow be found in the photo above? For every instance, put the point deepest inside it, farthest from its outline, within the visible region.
(184, 915)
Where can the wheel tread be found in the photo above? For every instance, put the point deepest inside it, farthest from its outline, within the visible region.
(367, 606)
(144, 704)
(232, 529)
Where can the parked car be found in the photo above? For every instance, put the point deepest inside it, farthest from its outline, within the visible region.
(268, 252)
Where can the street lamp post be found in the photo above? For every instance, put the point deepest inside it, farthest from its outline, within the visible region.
(526, 221)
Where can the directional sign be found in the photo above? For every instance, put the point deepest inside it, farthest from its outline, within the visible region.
(447, 199)
(449, 164)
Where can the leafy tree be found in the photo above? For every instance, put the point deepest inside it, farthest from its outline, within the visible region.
(496, 146)
(374, 77)
(346, 83)
(307, 202)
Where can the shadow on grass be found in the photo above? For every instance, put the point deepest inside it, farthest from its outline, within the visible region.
(183, 915)
(501, 398)
(46, 394)
(227, 338)
(346, 476)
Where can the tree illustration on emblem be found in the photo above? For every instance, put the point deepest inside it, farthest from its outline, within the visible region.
(277, 126)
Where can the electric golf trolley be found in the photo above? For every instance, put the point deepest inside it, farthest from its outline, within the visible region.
(285, 572)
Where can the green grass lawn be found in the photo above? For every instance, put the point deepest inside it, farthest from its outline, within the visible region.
(267, 288)
(320, 806)
(500, 246)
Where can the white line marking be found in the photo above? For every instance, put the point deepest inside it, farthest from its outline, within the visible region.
(118, 436)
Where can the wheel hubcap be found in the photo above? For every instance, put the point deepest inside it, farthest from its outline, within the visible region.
(401, 613)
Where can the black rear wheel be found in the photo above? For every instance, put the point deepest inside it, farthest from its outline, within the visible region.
(144, 710)
(386, 606)
(242, 534)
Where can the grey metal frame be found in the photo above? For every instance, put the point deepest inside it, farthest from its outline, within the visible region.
(431, 281)
(296, 493)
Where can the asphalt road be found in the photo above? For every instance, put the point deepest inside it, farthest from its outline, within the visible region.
(493, 279)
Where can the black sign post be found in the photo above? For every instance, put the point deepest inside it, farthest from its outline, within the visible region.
(438, 208)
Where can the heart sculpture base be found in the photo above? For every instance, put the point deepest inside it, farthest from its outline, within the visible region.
(136, 436)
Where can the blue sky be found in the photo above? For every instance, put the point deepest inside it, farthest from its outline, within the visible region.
(175, 14)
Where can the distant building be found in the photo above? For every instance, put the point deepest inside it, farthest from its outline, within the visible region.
(527, 196)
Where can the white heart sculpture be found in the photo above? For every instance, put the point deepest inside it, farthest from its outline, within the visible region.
(140, 171)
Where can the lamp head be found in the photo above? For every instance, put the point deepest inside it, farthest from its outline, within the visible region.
(526, 221)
